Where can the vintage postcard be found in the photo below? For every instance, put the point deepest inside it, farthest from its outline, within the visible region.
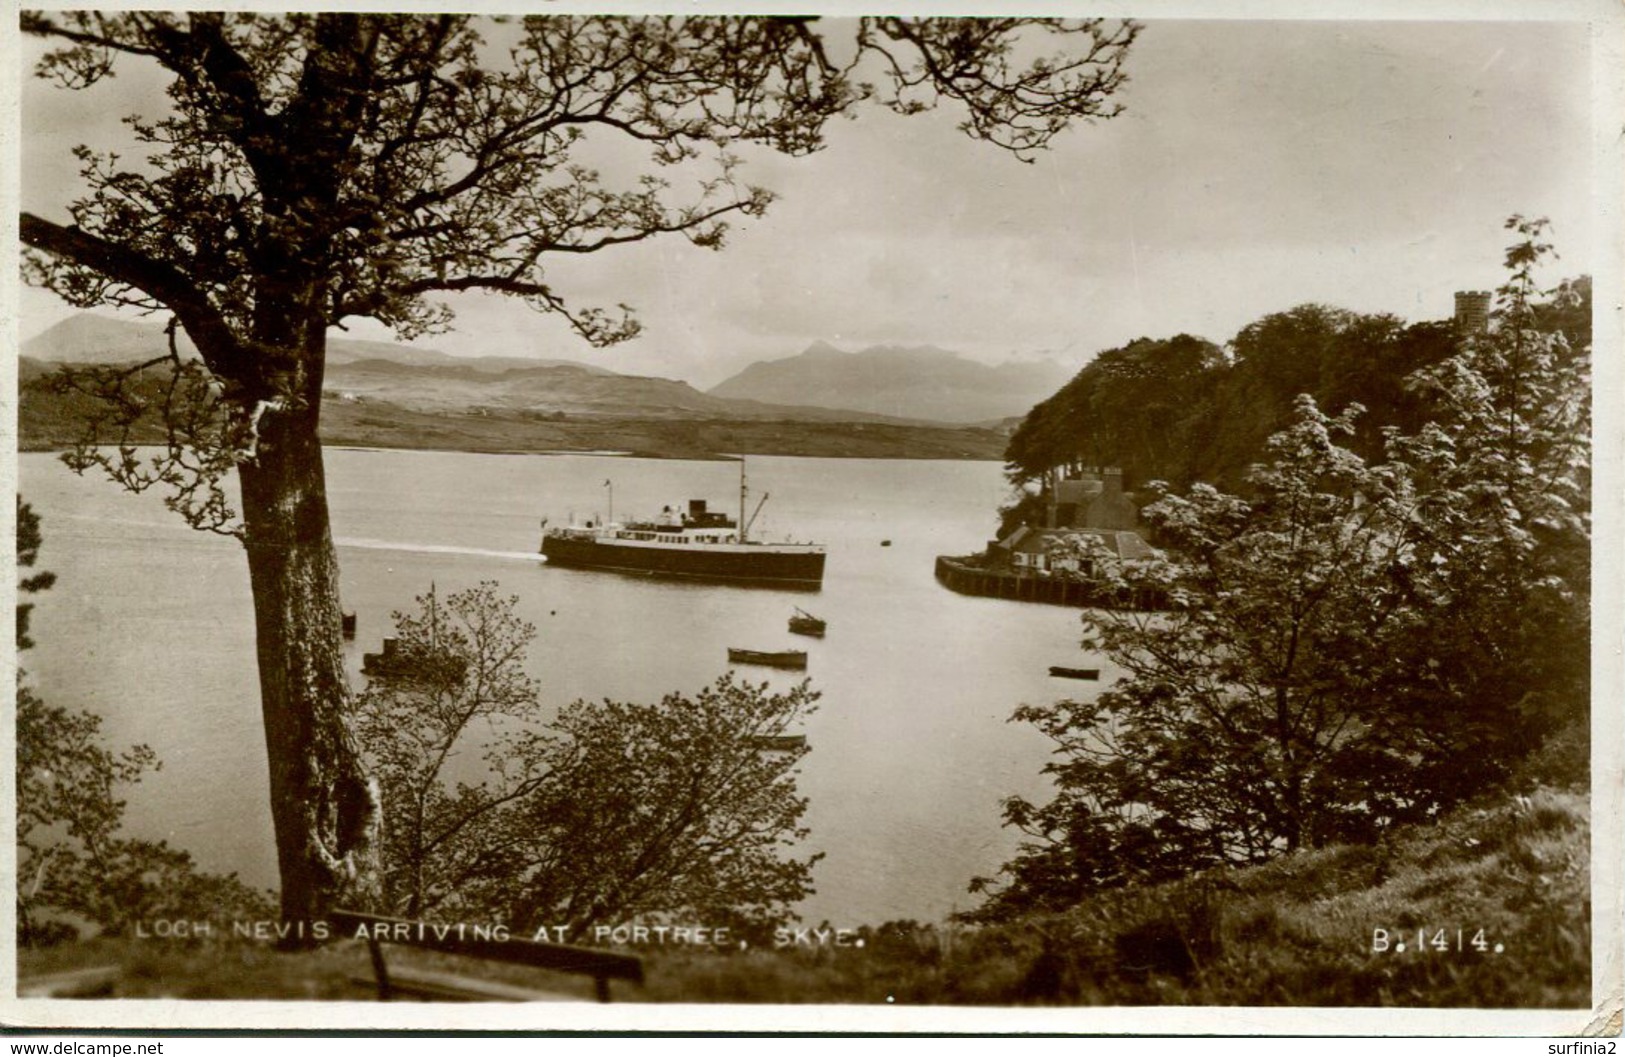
(654, 518)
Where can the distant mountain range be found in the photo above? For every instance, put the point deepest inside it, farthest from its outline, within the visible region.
(382, 374)
(922, 382)
(89, 338)
(391, 396)
(560, 388)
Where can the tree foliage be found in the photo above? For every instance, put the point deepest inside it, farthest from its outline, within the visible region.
(1132, 407)
(456, 678)
(313, 168)
(439, 170)
(72, 858)
(675, 807)
(605, 812)
(1353, 644)
(1182, 410)
(1501, 531)
(1241, 728)
(29, 539)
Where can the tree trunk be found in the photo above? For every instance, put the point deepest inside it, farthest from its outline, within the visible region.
(324, 808)
(1292, 792)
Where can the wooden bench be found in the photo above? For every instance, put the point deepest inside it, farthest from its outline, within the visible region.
(602, 966)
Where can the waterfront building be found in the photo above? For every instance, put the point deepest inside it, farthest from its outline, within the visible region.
(1088, 518)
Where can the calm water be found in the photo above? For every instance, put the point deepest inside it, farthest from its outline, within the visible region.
(150, 625)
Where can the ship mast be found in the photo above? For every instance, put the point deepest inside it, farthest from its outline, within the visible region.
(741, 500)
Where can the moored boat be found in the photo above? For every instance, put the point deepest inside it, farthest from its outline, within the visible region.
(804, 623)
(778, 742)
(771, 658)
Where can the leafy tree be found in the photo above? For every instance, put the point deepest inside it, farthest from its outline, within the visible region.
(1370, 363)
(1147, 404)
(456, 675)
(1349, 647)
(1239, 730)
(670, 809)
(71, 857)
(607, 811)
(1337, 356)
(1501, 531)
(318, 167)
(28, 545)
(1181, 410)
(1285, 351)
(1567, 310)
(1131, 407)
(1141, 408)
(71, 854)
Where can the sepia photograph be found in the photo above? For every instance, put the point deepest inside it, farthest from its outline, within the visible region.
(628, 518)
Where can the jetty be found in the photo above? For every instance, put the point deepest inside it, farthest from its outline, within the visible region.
(1088, 520)
(964, 576)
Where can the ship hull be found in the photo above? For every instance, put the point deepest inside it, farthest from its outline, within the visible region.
(800, 569)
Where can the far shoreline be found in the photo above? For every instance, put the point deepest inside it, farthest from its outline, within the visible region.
(720, 440)
(49, 421)
(59, 449)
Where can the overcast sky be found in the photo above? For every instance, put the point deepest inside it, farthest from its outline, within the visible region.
(1259, 165)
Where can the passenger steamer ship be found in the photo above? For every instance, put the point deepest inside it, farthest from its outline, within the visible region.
(698, 544)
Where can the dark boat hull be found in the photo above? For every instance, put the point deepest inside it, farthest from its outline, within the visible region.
(785, 659)
(778, 742)
(804, 623)
(792, 570)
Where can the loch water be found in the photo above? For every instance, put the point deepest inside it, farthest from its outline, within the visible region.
(150, 625)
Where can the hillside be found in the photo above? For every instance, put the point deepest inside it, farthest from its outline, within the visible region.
(569, 389)
(384, 395)
(89, 338)
(672, 419)
(560, 387)
(1501, 892)
(1183, 409)
(423, 380)
(654, 436)
(922, 382)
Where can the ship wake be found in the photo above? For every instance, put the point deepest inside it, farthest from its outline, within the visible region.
(363, 543)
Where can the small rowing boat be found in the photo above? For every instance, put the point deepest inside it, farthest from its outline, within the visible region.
(778, 742)
(804, 623)
(771, 659)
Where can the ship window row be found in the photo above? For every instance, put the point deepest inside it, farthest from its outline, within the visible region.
(662, 537)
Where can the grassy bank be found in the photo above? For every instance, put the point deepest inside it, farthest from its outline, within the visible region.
(1300, 931)
(1512, 875)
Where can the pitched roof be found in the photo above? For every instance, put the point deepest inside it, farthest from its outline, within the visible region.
(1015, 539)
